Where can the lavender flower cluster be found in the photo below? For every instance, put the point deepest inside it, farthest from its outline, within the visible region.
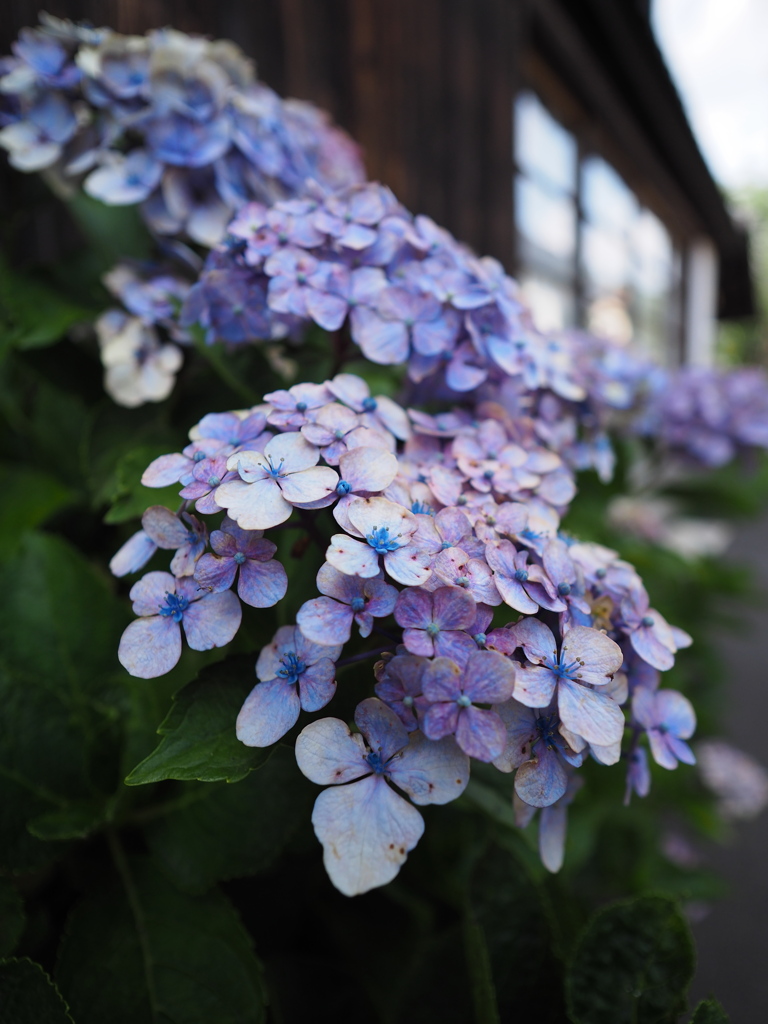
(173, 122)
(442, 527)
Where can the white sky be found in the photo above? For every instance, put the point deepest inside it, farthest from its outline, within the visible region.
(717, 53)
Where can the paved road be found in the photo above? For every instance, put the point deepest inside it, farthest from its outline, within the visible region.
(733, 940)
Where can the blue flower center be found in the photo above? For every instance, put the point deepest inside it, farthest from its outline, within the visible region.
(488, 474)
(198, 456)
(564, 589)
(647, 621)
(408, 700)
(421, 508)
(563, 670)
(462, 581)
(291, 667)
(369, 404)
(480, 639)
(343, 487)
(301, 407)
(357, 604)
(432, 629)
(239, 557)
(271, 470)
(547, 726)
(174, 607)
(464, 701)
(381, 542)
(374, 760)
(601, 573)
(338, 434)
(521, 575)
(213, 481)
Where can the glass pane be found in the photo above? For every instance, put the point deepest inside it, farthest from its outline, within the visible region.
(543, 148)
(653, 255)
(605, 198)
(552, 304)
(605, 260)
(546, 220)
(608, 316)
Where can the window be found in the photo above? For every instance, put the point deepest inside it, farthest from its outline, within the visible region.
(589, 253)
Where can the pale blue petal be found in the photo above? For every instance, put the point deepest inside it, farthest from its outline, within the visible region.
(542, 781)
(383, 730)
(212, 621)
(431, 772)
(270, 710)
(328, 753)
(325, 621)
(589, 714)
(150, 647)
(480, 733)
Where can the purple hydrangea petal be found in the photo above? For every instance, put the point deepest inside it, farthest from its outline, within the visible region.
(480, 733)
(440, 720)
(520, 723)
(431, 771)
(408, 566)
(148, 594)
(166, 470)
(164, 527)
(589, 714)
(269, 711)
(325, 620)
(367, 831)
(552, 829)
(262, 584)
(382, 341)
(442, 680)
(133, 555)
(489, 677)
(651, 649)
(534, 685)
(600, 657)
(542, 781)
(212, 621)
(454, 608)
(536, 639)
(214, 573)
(309, 485)
(256, 506)
(150, 647)
(451, 643)
(676, 713)
(352, 557)
(368, 469)
(383, 730)
(328, 753)
(317, 685)
(660, 750)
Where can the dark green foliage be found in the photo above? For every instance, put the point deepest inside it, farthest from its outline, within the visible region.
(632, 964)
(28, 996)
(11, 917)
(199, 741)
(709, 1011)
(220, 831)
(137, 950)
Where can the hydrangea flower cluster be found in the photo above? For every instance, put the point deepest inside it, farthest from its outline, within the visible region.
(507, 641)
(176, 123)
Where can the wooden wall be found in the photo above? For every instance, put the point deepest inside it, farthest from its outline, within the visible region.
(425, 86)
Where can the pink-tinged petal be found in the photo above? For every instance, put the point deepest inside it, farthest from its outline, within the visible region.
(431, 771)
(536, 639)
(310, 485)
(317, 685)
(480, 733)
(337, 585)
(592, 715)
(383, 730)
(552, 829)
(368, 469)
(148, 594)
(367, 831)
(311, 652)
(382, 341)
(133, 555)
(214, 573)
(352, 556)
(350, 389)
(489, 677)
(608, 755)
(542, 781)
(167, 470)
(408, 566)
(150, 647)
(515, 595)
(256, 506)
(520, 724)
(394, 418)
(600, 657)
(262, 584)
(651, 649)
(458, 646)
(440, 720)
(325, 621)
(165, 528)
(329, 311)
(212, 621)
(328, 753)
(382, 598)
(534, 685)
(269, 711)
(454, 608)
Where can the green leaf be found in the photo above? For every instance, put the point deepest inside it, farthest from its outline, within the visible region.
(144, 952)
(59, 629)
(12, 917)
(709, 1011)
(480, 975)
(30, 497)
(28, 996)
(228, 831)
(199, 741)
(632, 965)
(32, 312)
(76, 821)
(116, 232)
(129, 496)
